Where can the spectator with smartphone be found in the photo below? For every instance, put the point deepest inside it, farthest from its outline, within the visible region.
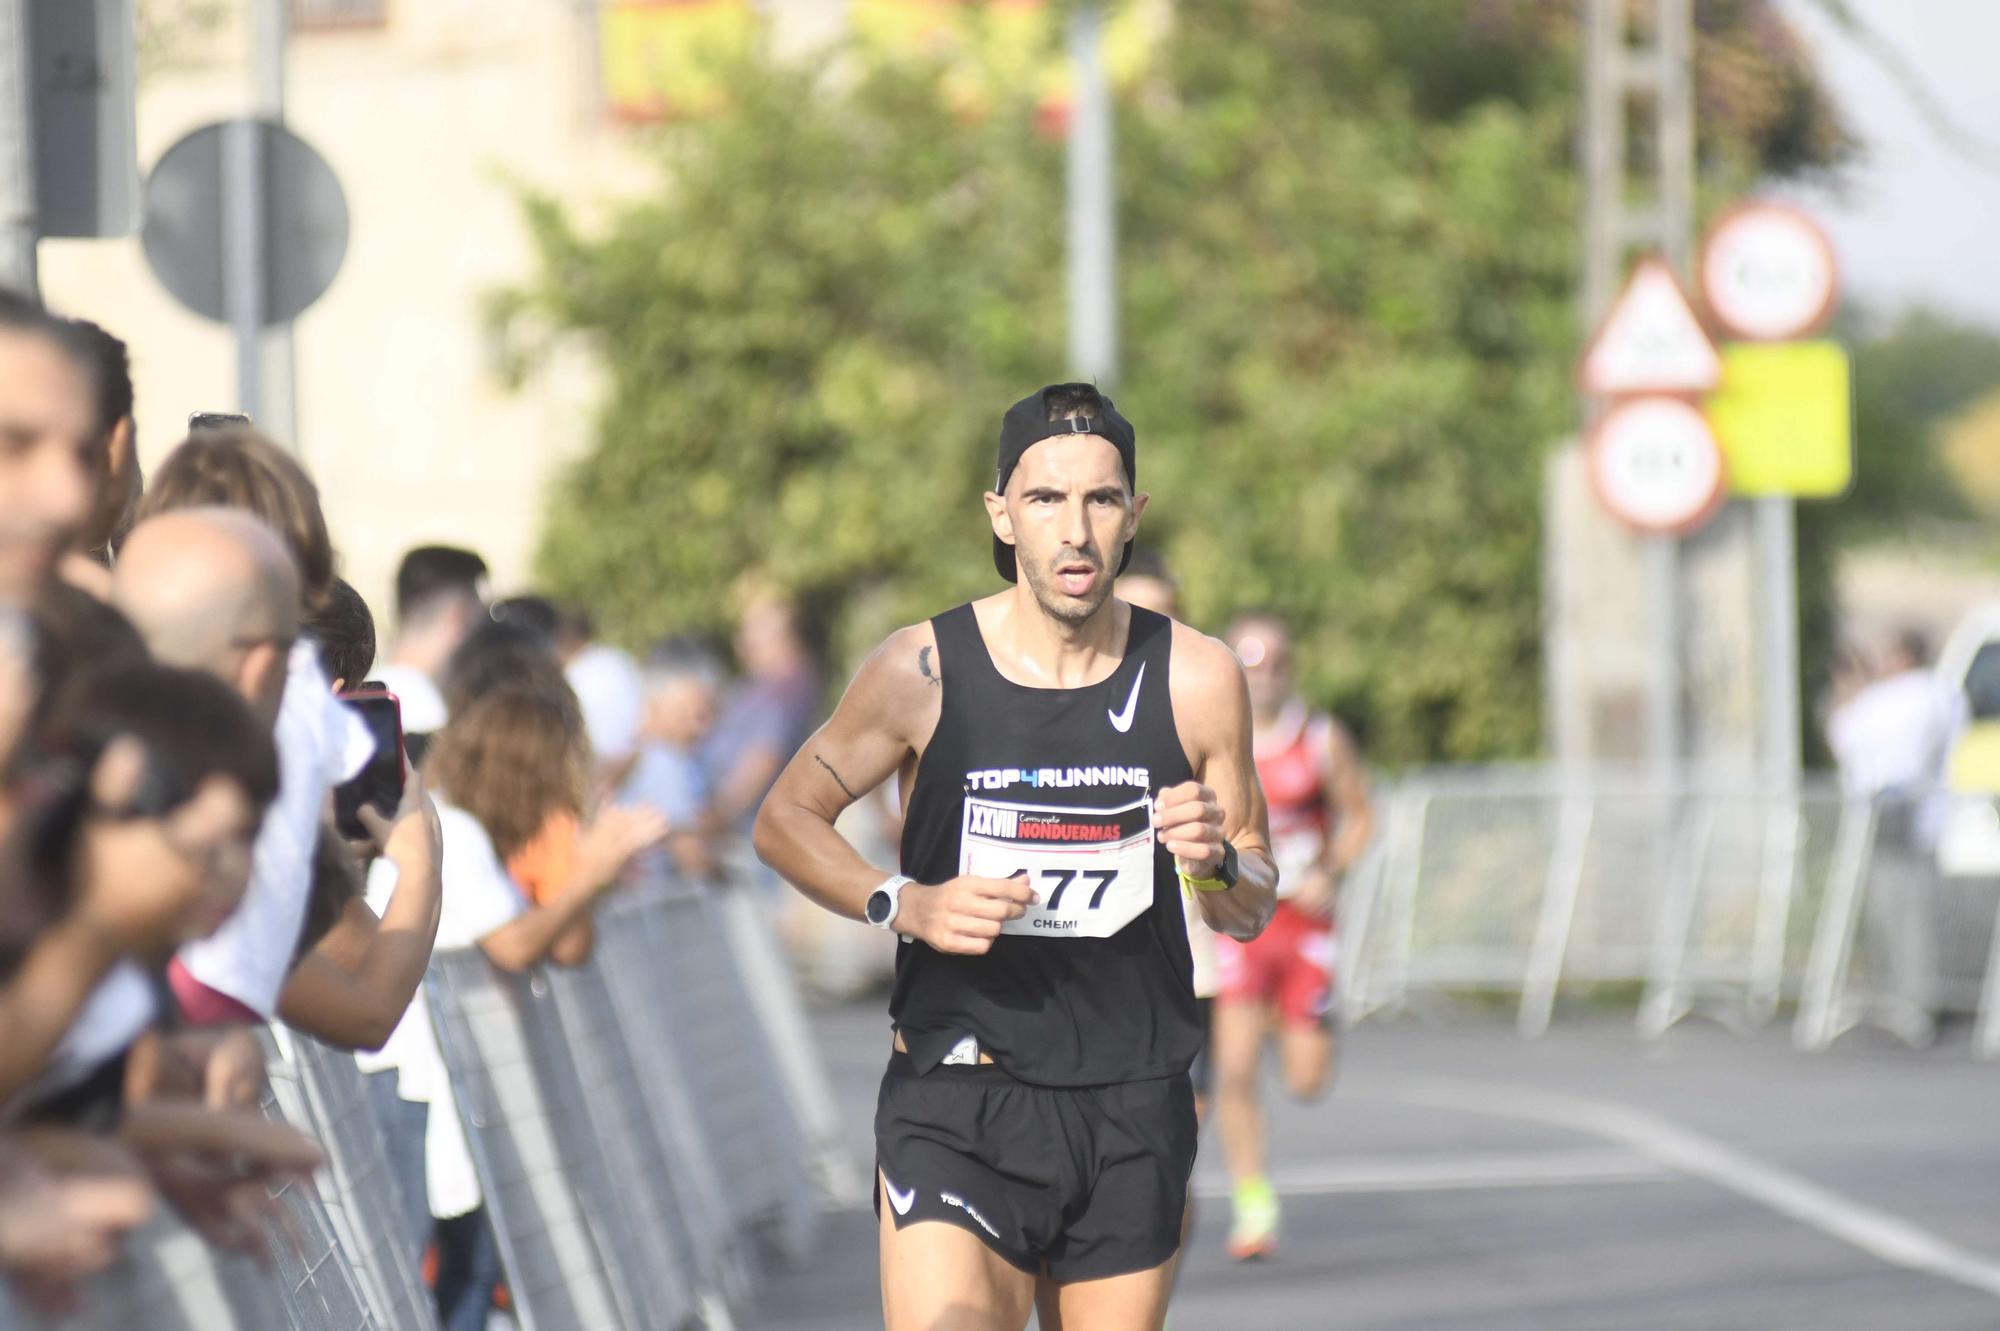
(343, 630)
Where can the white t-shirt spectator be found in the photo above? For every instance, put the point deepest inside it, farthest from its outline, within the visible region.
(423, 706)
(1894, 738)
(321, 743)
(613, 697)
(1893, 735)
(479, 897)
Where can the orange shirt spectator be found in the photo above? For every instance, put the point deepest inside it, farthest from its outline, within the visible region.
(544, 866)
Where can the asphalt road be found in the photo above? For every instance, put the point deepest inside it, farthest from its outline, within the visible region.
(1460, 1179)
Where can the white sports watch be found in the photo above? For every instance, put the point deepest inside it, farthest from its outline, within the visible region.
(885, 900)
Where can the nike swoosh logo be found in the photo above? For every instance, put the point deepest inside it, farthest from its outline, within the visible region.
(902, 1201)
(1122, 721)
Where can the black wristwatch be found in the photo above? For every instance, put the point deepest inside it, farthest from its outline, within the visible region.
(1226, 871)
(1222, 879)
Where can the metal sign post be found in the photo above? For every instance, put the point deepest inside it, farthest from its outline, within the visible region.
(1768, 274)
(1093, 253)
(17, 158)
(1615, 69)
(1778, 579)
(244, 258)
(272, 344)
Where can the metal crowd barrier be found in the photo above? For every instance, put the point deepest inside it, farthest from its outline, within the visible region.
(547, 1193)
(774, 997)
(1708, 898)
(169, 1279)
(639, 990)
(357, 1187)
(709, 1017)
(629, 1119)
(311, 1256)
(650, 1131)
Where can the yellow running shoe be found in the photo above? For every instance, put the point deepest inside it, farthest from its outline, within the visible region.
(1254, 1232)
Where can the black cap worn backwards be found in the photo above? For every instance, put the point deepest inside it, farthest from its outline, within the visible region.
(1027, 423)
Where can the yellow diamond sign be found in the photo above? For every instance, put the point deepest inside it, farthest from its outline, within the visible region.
(1782, 417)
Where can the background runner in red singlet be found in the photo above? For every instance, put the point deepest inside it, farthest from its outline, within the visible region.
(1148, 584)
(1283, 980)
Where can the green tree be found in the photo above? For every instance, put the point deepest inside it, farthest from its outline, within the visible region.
(1347, 266)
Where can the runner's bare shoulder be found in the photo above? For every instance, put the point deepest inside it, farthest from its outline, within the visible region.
(900, 685)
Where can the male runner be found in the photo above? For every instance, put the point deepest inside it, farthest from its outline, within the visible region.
(1320, 823)
(1069, 767)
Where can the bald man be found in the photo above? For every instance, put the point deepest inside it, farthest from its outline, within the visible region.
(215, 590)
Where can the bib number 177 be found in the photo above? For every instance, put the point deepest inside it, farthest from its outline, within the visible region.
(1091, 869)
(1054, 882)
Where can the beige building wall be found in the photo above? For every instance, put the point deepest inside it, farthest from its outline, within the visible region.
(405, 427)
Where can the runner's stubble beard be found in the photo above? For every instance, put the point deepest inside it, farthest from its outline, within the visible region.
(1069, 611)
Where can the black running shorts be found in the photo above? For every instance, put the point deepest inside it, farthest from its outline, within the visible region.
(1202, 1072)
(1080, 1182)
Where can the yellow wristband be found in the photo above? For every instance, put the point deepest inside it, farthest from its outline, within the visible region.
(1203, 884)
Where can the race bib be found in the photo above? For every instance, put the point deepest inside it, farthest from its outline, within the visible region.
(1091, 869)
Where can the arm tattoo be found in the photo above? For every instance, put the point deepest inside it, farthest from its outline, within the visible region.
(836, 777)
(924, 664)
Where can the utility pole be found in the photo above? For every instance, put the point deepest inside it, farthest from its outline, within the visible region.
(1655, 211)
(1092, 206)
(264, 361)
(19, 228)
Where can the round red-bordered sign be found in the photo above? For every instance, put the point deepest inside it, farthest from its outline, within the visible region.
(1655, 465)
(1768, 272)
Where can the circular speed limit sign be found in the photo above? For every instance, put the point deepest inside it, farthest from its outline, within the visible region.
(1767, 272)
(1656, 466)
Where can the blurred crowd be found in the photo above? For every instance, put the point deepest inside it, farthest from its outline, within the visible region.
(1891, 720)
(195, 833)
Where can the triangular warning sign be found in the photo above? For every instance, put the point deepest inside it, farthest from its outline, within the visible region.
(1651, 342)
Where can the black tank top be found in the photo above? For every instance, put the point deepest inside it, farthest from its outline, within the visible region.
(1094, 986)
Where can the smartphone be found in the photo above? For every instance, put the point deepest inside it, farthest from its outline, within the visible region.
(217, 420)
(379, 785)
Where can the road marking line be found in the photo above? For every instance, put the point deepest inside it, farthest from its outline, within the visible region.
(1442, 1173)
(1888, 1237)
